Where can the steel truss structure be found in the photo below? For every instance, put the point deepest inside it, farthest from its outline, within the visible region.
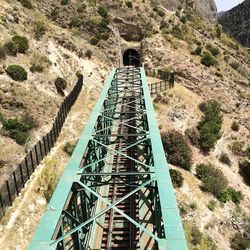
(116, 190)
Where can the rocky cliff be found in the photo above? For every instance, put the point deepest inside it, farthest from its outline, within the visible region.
(236, 22)
(205, 8)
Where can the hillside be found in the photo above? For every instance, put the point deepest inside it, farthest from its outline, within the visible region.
(236, 22)
(65, 37)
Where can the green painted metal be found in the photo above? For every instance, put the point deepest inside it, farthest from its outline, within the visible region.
(71, 216)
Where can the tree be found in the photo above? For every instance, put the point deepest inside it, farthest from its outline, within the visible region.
(210, 125)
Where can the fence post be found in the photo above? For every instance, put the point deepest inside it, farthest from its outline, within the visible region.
(21, 172)
(27, 167)
(37, 160)
(1, 200)
(44, 146)
(14, 175)
(41, 151)
(32, 162)
(8, 189)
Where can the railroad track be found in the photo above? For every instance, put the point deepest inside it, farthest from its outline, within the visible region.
(118, 232)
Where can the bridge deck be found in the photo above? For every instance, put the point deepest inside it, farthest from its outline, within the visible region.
(116, 191)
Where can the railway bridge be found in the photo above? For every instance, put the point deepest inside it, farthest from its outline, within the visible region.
(116, 191)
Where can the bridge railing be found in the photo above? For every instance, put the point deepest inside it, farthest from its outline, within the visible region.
(16, 181)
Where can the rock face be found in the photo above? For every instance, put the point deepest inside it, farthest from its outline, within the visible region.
(236, 22)
(206, 8)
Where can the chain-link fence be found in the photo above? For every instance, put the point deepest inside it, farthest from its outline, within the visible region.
(16, 181)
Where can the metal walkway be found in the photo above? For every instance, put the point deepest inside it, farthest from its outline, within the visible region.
(116, 191)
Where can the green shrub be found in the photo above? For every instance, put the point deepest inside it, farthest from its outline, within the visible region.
(65, 2)
(75, 22)
(193, 135)
(10, 48)
(176, 32)
(103, 11)
(26, 3)
(22, 43)
(213, 50)
(177, 149)
(235, 65)
(39, 63)
(218, 74)
(213, 181)
(218, 30)
(94, 40)
(69, 148)
(17, 72)
(2, 53)
(211, 205)
(210, 125)
(104, 23)
(176, 178)
(239, 242)
(202, 106)
(235, 126)
(60, 83)
(81, 8)
(40, 27)
(161, 12)
(17, 130)
(224, 158)
(207, 59)
(196, 236)
(245, 171)
(237, 148)
(183, 19)
(198, 50)
(129, 4)
(88, 53)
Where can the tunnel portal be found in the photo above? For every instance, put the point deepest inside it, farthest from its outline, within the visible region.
(131, 57)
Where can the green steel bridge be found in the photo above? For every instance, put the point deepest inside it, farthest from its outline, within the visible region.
(116, 191)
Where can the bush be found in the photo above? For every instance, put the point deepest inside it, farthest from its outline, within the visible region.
(210, 125)
(39, 27)
(207, 59)
(183, 19)
(69, 148)
(237, 148)
(176, 178)
(2, 53)
(103, 11)
(17, 130)
(177, 149)
(81, 8)
(198, 50)
(196, 236)
(75, 21)
(10, 48)
(239, 242)
(202, 107)
(60, 83)
(224, 158)
(65, 2)
(17, 72)
(176, 32)
(129, 4)
(39, 63)
(235, 65)
(213, 181)
(22, 43)
(26, 3)
(88, 53)
(193, 135)
(218, 74)
(94, 40)
(161, 12)
(245, 171)
(218, 30)
(213, 50)
(211, 205)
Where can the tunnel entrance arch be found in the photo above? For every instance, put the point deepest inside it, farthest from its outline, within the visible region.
(131, 57)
